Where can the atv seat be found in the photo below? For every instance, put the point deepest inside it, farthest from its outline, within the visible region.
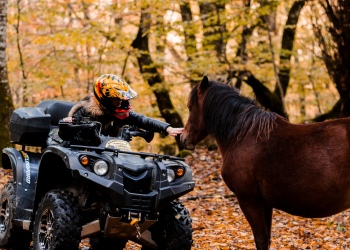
(57, 109)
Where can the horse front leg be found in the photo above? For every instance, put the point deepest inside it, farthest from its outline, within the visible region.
(259, 218)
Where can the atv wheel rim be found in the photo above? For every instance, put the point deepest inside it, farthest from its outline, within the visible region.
(4, 216)
(46, 229)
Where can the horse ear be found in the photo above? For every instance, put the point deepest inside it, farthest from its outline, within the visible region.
(203, 85)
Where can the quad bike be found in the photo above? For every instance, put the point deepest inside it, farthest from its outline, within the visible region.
(88, 186)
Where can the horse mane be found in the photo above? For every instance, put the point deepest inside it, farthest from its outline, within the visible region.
(228, 115)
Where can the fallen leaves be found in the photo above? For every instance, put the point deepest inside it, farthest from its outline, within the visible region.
(219, 224)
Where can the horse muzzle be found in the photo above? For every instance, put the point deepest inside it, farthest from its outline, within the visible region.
(184, 141)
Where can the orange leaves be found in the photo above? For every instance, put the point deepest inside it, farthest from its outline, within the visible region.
(219, 224)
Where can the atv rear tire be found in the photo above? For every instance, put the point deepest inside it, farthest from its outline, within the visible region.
(57, 222)
(104, 243)
(173, 230)
(11, 237)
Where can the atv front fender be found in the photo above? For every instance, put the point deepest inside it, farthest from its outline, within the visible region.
(24, 167)
(71, 163)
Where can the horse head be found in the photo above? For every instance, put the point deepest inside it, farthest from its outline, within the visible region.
(195, 129)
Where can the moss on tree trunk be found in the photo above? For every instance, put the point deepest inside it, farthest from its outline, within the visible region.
(6, 106)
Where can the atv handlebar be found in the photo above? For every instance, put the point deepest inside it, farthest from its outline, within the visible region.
(88, 132)
(147, 135)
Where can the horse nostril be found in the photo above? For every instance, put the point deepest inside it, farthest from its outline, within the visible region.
(184, 140)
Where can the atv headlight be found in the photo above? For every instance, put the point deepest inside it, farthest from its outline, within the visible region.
(100, 167)
(170, 175)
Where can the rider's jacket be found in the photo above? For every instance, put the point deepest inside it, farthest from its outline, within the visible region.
(88, 107)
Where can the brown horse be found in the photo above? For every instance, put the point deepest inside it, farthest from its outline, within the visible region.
(268, 162)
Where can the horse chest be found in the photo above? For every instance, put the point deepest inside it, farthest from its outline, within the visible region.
(300, 169)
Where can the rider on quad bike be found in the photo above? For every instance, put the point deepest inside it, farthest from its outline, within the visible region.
(109, 105)
(91, 184)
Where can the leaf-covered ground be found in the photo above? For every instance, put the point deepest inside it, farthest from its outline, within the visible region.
(218, 222)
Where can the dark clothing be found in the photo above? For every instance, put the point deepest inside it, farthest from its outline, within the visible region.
(111, 124)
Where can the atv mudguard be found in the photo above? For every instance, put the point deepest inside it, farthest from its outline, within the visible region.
(71, 163)
(25, 166)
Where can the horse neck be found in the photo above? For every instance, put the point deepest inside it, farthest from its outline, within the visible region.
(247, 122)
(223, 148)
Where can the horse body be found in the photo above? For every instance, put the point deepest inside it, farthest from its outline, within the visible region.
(305, 172)
(270, 163)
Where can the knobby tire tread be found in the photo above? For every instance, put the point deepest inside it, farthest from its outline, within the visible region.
(173, 230)
(9, 239)
(67, 216)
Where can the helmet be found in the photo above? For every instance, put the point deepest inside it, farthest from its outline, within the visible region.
(108, 87)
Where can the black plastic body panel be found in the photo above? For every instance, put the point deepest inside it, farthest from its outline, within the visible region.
(133, 183)
(29, 126)
(25, 166)
(150, 174)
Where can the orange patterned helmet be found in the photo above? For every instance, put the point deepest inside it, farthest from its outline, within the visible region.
(108, 87)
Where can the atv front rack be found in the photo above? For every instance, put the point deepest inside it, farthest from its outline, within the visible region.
(158, 157)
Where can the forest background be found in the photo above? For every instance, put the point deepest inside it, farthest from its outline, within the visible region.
(291, 56)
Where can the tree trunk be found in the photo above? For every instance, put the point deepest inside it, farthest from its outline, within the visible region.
(336, 55)
(190, 40)
(241, 55)
(154, 78)
(215, 32)
(287, 47)
(6, 106)
(334, 113)
(265, 97)
(269, 100)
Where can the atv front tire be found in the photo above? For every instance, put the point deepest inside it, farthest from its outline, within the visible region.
(173, 230)
(11, 237)
(57, 222)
